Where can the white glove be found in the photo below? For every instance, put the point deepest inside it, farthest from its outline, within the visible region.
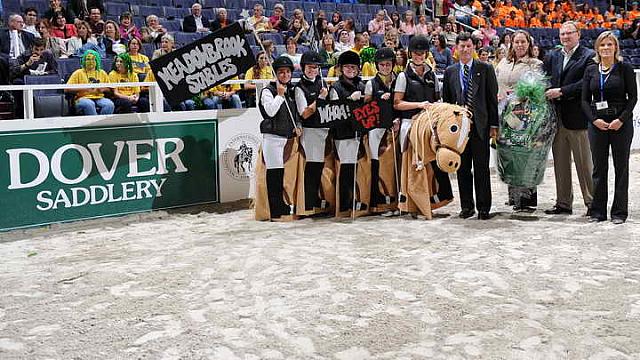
(356, 95)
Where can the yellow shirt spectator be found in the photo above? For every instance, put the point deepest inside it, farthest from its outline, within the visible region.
(265, 73)
(116, 77)
(140, 63)
(81, 76)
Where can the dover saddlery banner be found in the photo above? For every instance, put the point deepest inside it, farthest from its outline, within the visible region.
(49, 176)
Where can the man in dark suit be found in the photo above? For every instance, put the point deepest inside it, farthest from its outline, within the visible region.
(14, 41)
(81, 7)
(566, 67)
(195, 22)
(473, 84)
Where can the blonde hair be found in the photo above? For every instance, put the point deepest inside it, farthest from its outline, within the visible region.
(607, 35)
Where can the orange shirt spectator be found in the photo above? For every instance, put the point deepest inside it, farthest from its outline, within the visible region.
(535, 23)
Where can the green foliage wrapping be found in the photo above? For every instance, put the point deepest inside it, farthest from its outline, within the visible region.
(532, 90)
(527, 129)
(368, 54)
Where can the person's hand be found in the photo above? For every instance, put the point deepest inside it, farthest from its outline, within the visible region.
(396, 125)
(601, 124)
(425, 105)
(356, 95)
(493, 133)
(553, 93)
(298, 131)
(386, 96)
(33, 59)
(280, 88)
(323, 93)
(615, 125)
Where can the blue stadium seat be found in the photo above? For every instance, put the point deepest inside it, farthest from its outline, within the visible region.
(145, 11)
(627, 43)
(292, 4)
(183, 3)
(148, 49)
(67, 66)
(373, 8)
(209, 14)
(344, 8)
(53, 79)
(214, 4)
(237, 4)
(185, 38)
(159, 3)
(308, 6)
(41, 6)
(635, 61)
(360, 8)
(390, 9)
(403, 8)
(275, 37)
(376, 39)
(255, 50)
(404, 40)
(115, 8)
(302, 49)
(328, 7)
(107, 65)
(172, 25)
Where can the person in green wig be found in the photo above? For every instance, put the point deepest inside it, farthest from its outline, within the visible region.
(90, 101)
(125, 97)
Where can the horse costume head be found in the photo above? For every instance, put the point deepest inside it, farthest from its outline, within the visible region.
(441, 132)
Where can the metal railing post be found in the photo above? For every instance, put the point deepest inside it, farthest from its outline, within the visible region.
(29, 113)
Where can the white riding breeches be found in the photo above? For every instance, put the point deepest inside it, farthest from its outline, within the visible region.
(375, 138)
(273, 150)
(314, 142)
(348, 150)
(404, 133)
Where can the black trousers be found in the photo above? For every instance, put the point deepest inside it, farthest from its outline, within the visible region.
(620, 144)
(476, 157)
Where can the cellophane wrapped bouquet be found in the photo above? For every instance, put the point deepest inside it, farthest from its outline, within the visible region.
(527, 128)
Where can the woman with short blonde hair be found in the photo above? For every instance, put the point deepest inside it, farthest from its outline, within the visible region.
(609, 94)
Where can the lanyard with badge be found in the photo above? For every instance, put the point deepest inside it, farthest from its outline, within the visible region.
(602, 104)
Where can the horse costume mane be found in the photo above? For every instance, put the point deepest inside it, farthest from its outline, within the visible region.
(440, 132)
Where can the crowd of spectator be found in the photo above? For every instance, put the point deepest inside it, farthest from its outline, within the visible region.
(32, 42)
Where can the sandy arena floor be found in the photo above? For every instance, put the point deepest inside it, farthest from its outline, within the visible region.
(212, 285)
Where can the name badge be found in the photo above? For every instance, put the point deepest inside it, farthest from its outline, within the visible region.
(602, 105)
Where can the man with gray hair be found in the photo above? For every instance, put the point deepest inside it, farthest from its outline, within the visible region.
(565, 68)
(14, 41)
(195, 22)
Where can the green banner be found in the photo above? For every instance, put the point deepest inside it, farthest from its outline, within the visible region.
(49, 176)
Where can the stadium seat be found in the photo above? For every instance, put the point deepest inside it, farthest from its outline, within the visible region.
(308, 6)
(115, 8)
(627, 43)
(183, 3)
(390, 9)
(67, 66)
(255, 50)
(377, 39)
(360, 8)
(237, 4)
(329, 8)
(159, 3)
(288, 4)
(635, 61)
(275, 37)
(53, 79)
(344, 8)
(302, 49)
(213, 4)
(41, 6)
(185, 38)
(145, 11)
(148, 49)
(107, 65)
(373, 8)
(172, 25)
(404, 40)
(50, 106)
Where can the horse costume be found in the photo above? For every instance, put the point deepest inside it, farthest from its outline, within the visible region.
(439, 133)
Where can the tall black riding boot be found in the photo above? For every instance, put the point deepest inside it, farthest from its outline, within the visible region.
(275, 184)
(312, 179)
(376, 196)
(346, 186)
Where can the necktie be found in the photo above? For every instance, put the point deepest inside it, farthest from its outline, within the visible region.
(468, 88)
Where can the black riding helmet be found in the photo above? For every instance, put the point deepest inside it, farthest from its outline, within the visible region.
(349, 58)
(282, 61)
(310, 58)
(385, 54)
(419, 43)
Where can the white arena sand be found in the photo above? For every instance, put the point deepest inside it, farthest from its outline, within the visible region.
(205, 284)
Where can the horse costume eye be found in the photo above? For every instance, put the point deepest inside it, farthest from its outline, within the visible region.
(453, 128)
